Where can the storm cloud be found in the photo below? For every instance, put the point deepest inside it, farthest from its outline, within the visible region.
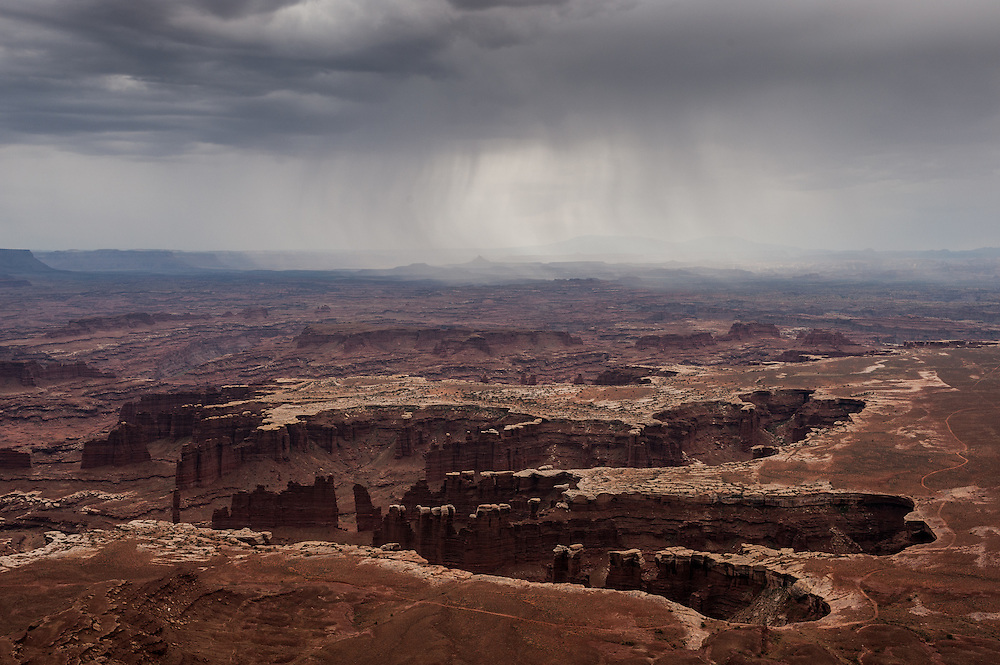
(294, 124)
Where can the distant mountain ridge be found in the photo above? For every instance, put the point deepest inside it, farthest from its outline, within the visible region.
(118, 260)
(21, 261)
(654, 250)
(719, 259)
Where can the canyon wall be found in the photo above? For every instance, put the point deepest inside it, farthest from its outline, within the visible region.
(437, 341)
(297, 506)
(226, 432)
(367, 516)
(14, 459)
(733, 588)
(157, 416)
(497, 535)
(31, 373)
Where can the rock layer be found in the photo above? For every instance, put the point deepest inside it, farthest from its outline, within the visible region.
(733, 588)
(496, 536)
(298, 506)
(152, 417)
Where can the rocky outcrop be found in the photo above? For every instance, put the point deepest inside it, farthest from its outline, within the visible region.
(20, 261)
(14, 459)
(16, 373)
(740, 332)
(721, 519)
(157, 416)
(124, 446)
(670, 342)
(499, 342)
(131, 320)
(733, 588)
(455, 439)
(793, 356)
(221, 445)
(298, 506)
(623, 376)
(561, 442)
(790, 414)
(466, 491)
(175, 506)
(710, 432)
(437, 341)
(566, 564)
(624, 569)
(368, 517)
(486, 543)
(817, 338)
(395, 529)
(31, 373)
(727, 517)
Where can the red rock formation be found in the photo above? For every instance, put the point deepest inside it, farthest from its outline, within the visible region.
(153, 417)
(624, 569)
(733, 589)
(118, 322)
(623, 376)
(496, 342)
(14, 459)
(437, 341)
(31, 373)
(791, 414)
(566, 564)
(792, 356)
(222, 444)
(671, 341)
(457, 439)
(466, 492)
(495, 536)
(175, 507)
(16, 373)
(566, 443)
(368, 517)
(298, 506)
(488, 542)
(395, 529)
(749, 330)
(125, 445)
(816, 338)
(436, 538)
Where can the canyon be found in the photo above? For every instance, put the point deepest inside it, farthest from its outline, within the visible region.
(732, 470)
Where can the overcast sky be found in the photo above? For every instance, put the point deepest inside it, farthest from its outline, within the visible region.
(333, 124)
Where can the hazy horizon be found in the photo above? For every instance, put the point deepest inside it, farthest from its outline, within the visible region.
(333, 125)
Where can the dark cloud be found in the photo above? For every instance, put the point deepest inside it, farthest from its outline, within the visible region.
(237, 8)
(244, 70)
(489, 4)
(640, 109)
(198, 70)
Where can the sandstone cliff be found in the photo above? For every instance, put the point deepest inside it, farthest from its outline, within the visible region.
(152, 417)
(32, 373)
(14, 459)
(497, 536)
(674, 341)
(297, 506)
(740, 331)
